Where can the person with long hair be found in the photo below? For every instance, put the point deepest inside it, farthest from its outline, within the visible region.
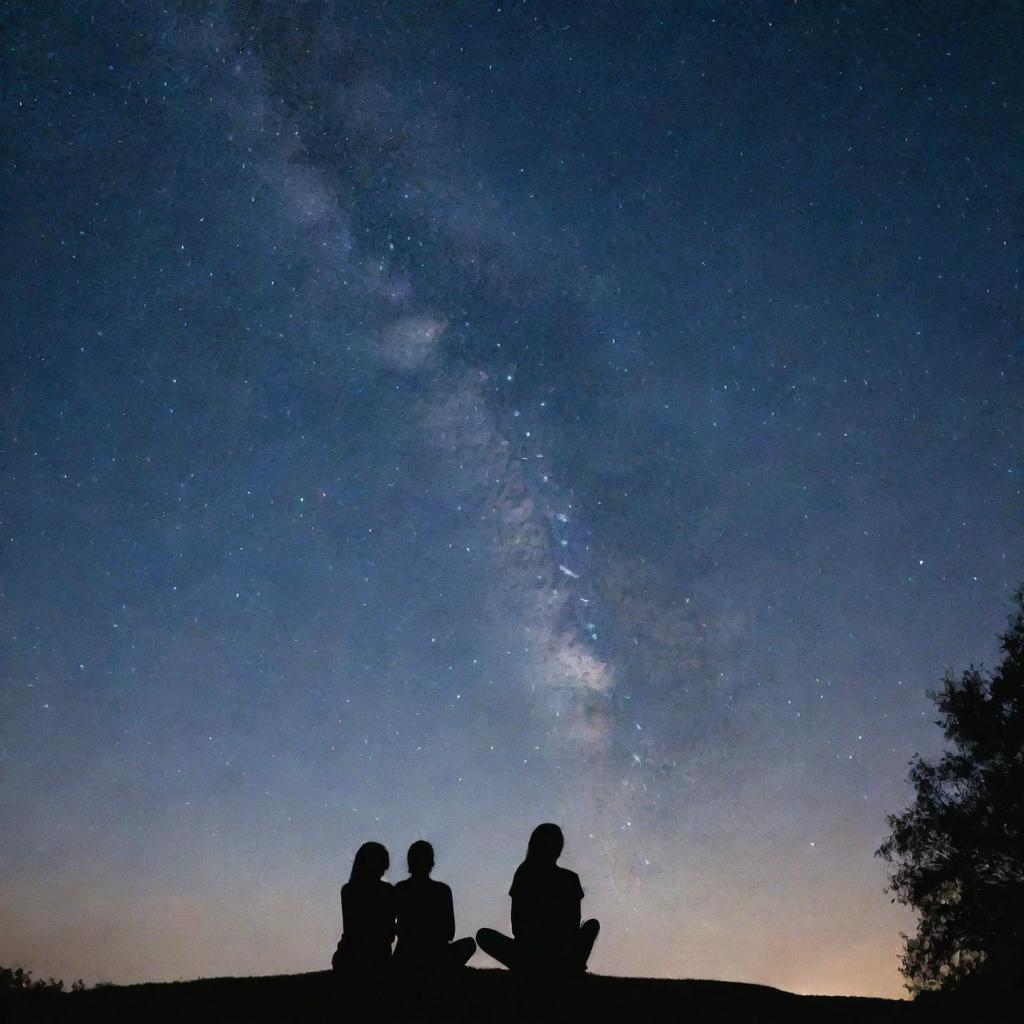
(367, 914)
(548, 937)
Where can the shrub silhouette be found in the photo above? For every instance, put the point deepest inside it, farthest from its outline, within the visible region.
(958, 851)
(18, 979)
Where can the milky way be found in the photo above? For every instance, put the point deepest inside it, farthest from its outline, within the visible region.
(425, 420)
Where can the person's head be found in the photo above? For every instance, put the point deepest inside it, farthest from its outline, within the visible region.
(545, 844)
(420, 858)
(370, 863)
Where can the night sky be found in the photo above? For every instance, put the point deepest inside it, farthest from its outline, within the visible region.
(431, 419)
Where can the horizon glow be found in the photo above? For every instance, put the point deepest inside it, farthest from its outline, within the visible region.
(426, 420)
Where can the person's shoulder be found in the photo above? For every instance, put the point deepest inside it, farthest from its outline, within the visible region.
(440, 887)
(570, 879)
(403, 885)
(519, 877)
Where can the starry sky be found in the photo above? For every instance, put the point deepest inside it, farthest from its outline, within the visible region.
(429, 419)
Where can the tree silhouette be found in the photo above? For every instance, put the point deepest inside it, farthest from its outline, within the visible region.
(958, 851)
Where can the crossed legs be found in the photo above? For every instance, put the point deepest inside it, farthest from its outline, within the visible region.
(459, 952)
(515, 956)
(499, 946)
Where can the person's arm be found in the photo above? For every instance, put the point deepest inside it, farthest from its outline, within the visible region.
(392, 911)
(450, 909)
(523, 916)
(516, 914)
(524, 910)
(349, 911)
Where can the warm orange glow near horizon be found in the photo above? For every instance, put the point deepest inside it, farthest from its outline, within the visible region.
(425, 420)
(214, 926)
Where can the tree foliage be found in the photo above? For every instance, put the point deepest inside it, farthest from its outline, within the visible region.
(958, 852)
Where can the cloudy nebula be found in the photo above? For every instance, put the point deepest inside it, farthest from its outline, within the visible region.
(423, 420)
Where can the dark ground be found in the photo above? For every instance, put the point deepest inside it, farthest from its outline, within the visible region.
(474, 995)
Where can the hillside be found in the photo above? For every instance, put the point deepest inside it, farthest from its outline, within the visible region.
(475, 995)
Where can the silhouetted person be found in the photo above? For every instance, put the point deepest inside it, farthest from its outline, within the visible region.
(548, 936)
(367, 914)
(426, 918)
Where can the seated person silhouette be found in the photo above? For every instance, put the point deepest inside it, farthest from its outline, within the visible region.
(426, 918)
(367, 914)
(548, 936)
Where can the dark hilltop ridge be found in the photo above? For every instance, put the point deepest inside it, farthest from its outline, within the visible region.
(472, 995)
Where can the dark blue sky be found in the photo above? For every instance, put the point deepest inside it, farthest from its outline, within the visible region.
(431, 419)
